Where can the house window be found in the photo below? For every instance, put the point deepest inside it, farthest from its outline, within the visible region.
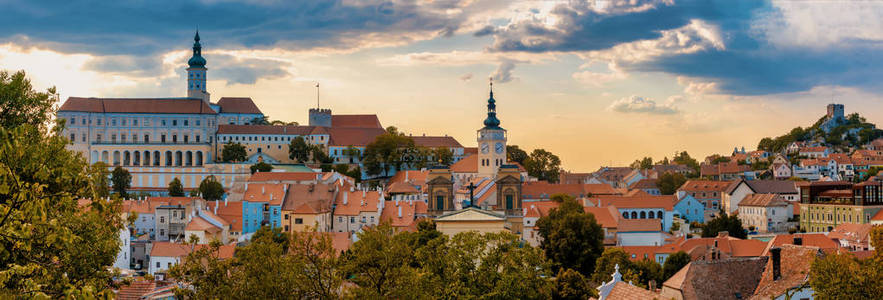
(286, 217)
(162, 219)
(185, 123)
(174, 122)
(73, 137)
(352, 219)
(298, 221)
(157, 264)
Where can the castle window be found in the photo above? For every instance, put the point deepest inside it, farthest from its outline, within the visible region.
(174, 122)
(163, 122)
(197, 139)
(147, 138)
(197, 122)
(84, 138)
(135, 122)
(186, 138)
(113, 122)
(98, 137)
(73, 137)
(99, 121)
(84, 122)
(73, 121)
(162, 138)
(185, 122)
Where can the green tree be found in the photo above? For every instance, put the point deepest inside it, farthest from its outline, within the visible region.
(262, 120)
(543, 165)
(723, 222)
(674, 263)
(261, 167)
(515, 154)
(647, 270)
(571, 238)
(51, 246)
(122, 181)
(233, 152)
(606, 265)
(299, 150)
(380, 264)
(570, 284)
(443, 156)
(318, 155)
(643, 164)
(98, 175)
(211, 189)
(669, 182)
(683, 158)
(841, 276)
(388, 151)
(176, 189)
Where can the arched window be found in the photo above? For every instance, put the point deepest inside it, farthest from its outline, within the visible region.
(652, 215)
(643, 215)
(625, 215)
(634, 215)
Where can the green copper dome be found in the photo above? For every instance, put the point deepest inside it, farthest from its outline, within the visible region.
(491, 122)
(197, 61)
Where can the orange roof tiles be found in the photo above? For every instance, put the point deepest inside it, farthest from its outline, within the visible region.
(134, 290)
(808, 239)
(137, 105)
(265, 192)
(356, 202)
(231, 212)
(238, 105)
(665, 202)
(633, 225)
(544, 189)
(169, 249)
(309, 198)
(391, 213)
(640, 252)
(795, 262)
(200, 224)
(401, 188)
(854, 233)
(436, 141)
(763, 200)
(283, 176)
(607, 217)
(355, 121)
(468, 164)
(705, 186)
(626, 291)
(353, 136)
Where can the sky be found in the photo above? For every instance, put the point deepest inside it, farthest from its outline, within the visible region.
(598, 83)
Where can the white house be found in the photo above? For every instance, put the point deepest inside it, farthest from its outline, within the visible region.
(640, 232)
(766, 212)
(164, 255)
(125, 254)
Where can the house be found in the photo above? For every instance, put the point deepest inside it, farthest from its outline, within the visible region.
(407, 185)
(786, 273)
(766, 213)
(163, 255)
(403, 215)
(262, 205)
(356, 208)
(231, 212)
(543, 190)
(854, 237)
(608, 217)
(698, 248)
(640, 232)
(672, 168)
(781, 171)
(818, 240)
(170, 222)
(206, 229)
(646, 185)
(135, 290)
(640, 207)
(308, 205)
(737, 191)
(471, 219)
(730, 170)
(715, 278)
(689, 209)
(616, 289)
(814, 152)
(708, 192)
(612, 176)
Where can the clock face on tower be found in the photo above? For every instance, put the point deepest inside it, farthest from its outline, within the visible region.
(499, 148)
(485, 148)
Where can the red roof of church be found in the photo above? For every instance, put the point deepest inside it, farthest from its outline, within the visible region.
(238, 105)
(353, 136)
(357, 121)
(137, 105)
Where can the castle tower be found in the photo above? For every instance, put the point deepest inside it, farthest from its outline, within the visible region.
(491, 141)
(196, 73)
(320, 117)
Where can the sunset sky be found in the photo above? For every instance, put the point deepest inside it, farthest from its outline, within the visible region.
(596, 82)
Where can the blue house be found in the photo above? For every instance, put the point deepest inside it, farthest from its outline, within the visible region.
(262, 205)
(690, 209)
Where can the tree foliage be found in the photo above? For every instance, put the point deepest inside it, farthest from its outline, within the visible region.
(299, 150)
(515, 154)
(233, 152)
(683, 158)
(261, 167)
(669, 182)
(390, 150)
(571, 238)
(723, 222)
(176, 189)
(543, 165)
(674, 263)
(572, 285)
(122, 181)
(50, 245)
(211, 189)
(643, 164)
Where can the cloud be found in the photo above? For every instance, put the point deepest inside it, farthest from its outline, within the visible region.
(503, 73)
(635, 104)
(600, 78)
(149, 27)
(463, 58)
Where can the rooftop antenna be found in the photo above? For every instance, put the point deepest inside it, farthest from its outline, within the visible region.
(317, 96)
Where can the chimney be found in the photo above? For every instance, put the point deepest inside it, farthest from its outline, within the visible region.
(344, 197)
(798, 240)
(400, 211)
(776, 254)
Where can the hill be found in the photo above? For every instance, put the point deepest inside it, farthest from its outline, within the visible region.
(852, 131)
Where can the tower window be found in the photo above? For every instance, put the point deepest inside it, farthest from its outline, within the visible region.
(185, 122)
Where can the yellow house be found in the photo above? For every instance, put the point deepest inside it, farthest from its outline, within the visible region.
(308, 205)
(471, 219)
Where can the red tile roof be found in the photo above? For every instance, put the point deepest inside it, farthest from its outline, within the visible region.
(137, 105)
(853, 233)
(544, 189)
(718, 279)
(357, 202)
(265, 192)
(632, 225)
(169, 249)
(763, 200)
(231, 212)
(134, 290)
(200, 224)
(357, 121)
(705, 186)
(625, 291)
(309, 198)
(353, 136)
(607, 217)
(238, 105)
(436, 141)
(408, 217)
(468, 164)
(283, 176)
(795, 262)
(808, 239)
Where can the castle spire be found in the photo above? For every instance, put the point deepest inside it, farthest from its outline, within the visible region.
(197, 61)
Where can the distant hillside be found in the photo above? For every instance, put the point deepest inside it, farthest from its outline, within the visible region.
(852, 131)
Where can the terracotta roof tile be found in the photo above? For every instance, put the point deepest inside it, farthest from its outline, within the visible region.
(795, 262)
(353, 136)
(665, 202)
(391, 213)
(231, 212)
(265, 192)
(819, 240)
(632, 225)
(134, 290)
(309, 198)
(705, 186)
(625, 291)
(854, 233)
(357, 202)
(238, 105)
(544, 189)
(169, 249)
(468, 164)
(200, 224)
(436, 141)
(355, 121)
(763, 200)
(137, 105)
(718, 279)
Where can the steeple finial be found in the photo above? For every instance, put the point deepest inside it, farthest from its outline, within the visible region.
(491, 122)
(196, 38)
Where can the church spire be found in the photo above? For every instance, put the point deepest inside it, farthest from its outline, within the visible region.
(491, 122)
(197, 61)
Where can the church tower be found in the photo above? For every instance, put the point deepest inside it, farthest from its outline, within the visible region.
(196, 73)
(491, 141)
